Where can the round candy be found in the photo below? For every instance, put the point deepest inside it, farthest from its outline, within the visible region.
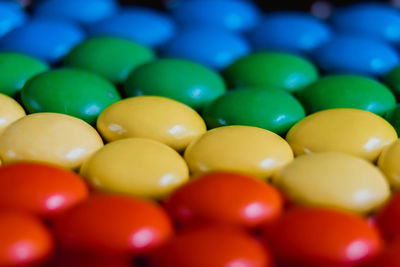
(347, 91)
(272, 109)
(334, 180)
(277, 70)
(394, 118)
(135, 166)
(49, 137)
(118, 57)
(10, 111)
(242, 149)
(73, 92)
(213, 246)
(389, 163)
(392, 79)
(48, 39)
(388, 218)
(227, 198)
(182, 80)
(357, 132)
(113, 224)
(390, 256)
(237, 15)
(25, 241)
(322, 237)
(86, 12)
(289, 31)
(212, 47)
(152, 117)
(16, 69)
(40, 189)
(141, 25)
(12, 15)
(379, 20)
(356, 54)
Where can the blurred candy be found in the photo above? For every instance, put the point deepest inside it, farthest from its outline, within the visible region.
(356, 54)
(390, 256)
(241, 149)
(389, 163)
(289, 31)
(272, 109)
(388, 218)
(10, 111)
(138, 167)
(334, 180)
(216, 48)
(144, 26)
(394, 118)
(153, 117)
(112, 58)
(46, 39)
(277, 70)
(51, 138)
(12, 15)
(392, 79)
(182, 80)
(73, 92)
(352, 131)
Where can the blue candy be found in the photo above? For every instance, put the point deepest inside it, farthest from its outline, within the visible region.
(356, 54)
(373, 19)
(289, 31)
(235, 15)
(46, 39)
(82, 11)
(12, 15)
(141, 25)
(215, 48)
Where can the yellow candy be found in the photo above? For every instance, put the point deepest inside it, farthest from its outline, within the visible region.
(334, 180)
(352, 131)
(10, 111)
(244, 149)
(152, 117)
(136, 166)
(389, 163)
(49, 137)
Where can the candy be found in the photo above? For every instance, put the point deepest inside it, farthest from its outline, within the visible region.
(388, 217)
(12, 16)
(356, 132)
(389, 257)
(10, 111)
(272, 109)
(241, 149)
(135, 166)
(392, 79)
(389, 163)
(394, 118)
(182, 80)
(152, 117)
(276, 70)
(70, 91)
(50, 138)
(334, 180)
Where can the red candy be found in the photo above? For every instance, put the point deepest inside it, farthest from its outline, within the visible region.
(225, 197)
(388, 218)
(390, 257)
(42, 189)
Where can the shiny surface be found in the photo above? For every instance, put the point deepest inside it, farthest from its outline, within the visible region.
(182, 80)
(213, 246)
(118, 57)
(347, 91)
(16, 69)
(271, 109)
(389, 163)
(113, 224)
(135, 166)
(10, 111)
(388, 257)
(25, 240)
(153, 117)
(241, 149)
(388, 218)
(334, 180)
(322, 237)
(49, 137)
(40, 189)
(356, 132)
(276, 70)
(225, 197)
(12, 15)
(73, 92)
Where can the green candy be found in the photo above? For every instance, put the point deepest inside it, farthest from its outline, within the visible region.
(70, 91)
(109, 57)
(182, 80)
(392, 79)
(347, 91)
(394, 118)
(265, 70)
(15, 69)
(271, 109)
